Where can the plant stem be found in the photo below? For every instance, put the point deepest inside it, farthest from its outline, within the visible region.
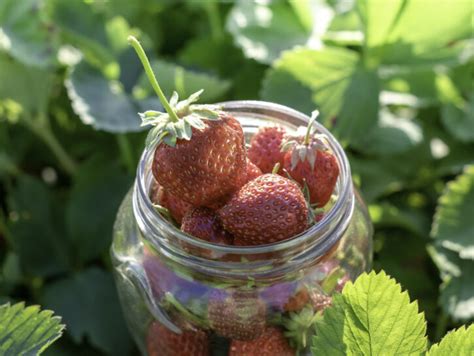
(212, 10)
(151, 77)
(126, 152)
(314, 115)
(441, 326)
(40, 126)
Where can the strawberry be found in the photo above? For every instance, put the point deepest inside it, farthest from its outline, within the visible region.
(161, 341)
(271, 343)
(252, 171)
(200, 151)
(204, 224)
(176, 207)
(264, 149)
(240, 315)
(304, 297)
(267, 209)
(308, 161)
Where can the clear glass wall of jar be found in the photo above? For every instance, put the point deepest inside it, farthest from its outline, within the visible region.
(170, 282)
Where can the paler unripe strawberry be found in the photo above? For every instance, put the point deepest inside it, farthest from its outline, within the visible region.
(204, 224)
(176, 207)
(161, 341)
(240, 315)
(267, 209)
(308, 161)
(200, 150)
(264, 150)
(271, 343)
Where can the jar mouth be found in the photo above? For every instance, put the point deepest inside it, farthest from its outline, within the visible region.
(320, 236)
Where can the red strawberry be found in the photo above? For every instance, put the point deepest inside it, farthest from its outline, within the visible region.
(271, 343)
(264, 148)
(204, 224)
(267, 209)
(303, 297)
(240, 315)
(161, 341)
(200, 151)
(205, 168)
(177, 207)
(252, 171)
(308, 161)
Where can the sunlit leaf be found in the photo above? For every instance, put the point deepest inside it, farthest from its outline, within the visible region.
(263, 31)
(27, 331)
(456, 342)
(371, 317)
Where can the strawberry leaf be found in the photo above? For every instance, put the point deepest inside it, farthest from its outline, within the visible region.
(452, 227)
(27, 331)
(371, 317)
(457, 342)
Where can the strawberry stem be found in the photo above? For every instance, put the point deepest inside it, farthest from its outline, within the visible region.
(314, 115)
(151, 77)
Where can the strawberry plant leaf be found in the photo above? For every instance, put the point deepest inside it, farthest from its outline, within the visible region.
(371, 317)
(459, 120)
(185, 82)
(452, 227)
(31, 204)
(28, 86)
(344, 92)
(263, 31)
(456, 342)
(25, 34)
(27, 330)
(391, 135)
(102, 103)
(95, 196)
(90, 308)
(389, 34)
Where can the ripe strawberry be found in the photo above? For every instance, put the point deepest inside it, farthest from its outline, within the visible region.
(177, 207)
(271, 343)
(304, 297)
(252, 171)
(200, 150)
(204, 224)
(264, 148)
(240, 315)
(308, 161)
(267, 209)
(161, 341)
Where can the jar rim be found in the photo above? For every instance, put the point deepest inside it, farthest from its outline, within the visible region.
(338, 216)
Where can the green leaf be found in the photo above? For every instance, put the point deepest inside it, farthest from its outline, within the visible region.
(98, 189)
(263, 31)
(460, 120)
(34, 224)
(90, 308)
(25, 34)
(390, 37)
(29, 87)
(27, 331)
(102, 103)
(452, 227)
(344, 92)
(456, 342)
(371, 317)
(185, 82)
(391, 135)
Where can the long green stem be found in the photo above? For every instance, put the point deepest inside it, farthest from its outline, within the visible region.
(151, 77)
(212, 9)
(41, 127)
(307, 137)
(126, 152)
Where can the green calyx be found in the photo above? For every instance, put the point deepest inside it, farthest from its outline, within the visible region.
(300, 327)
(180, 116)
(307, 148)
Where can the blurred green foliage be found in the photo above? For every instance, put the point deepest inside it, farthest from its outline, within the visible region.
(393, 81)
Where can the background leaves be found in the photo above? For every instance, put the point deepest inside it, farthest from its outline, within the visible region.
(393, 82)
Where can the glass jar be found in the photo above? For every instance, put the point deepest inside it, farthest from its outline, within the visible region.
(172, 285)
